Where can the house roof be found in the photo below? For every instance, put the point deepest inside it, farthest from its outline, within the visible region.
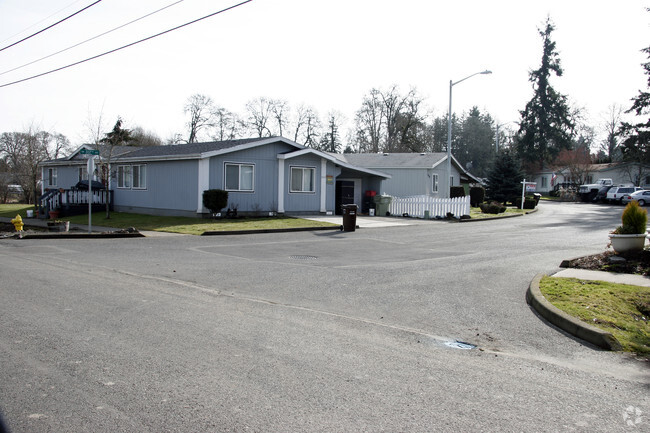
(395, 160)
(383, 161)
(191, 149)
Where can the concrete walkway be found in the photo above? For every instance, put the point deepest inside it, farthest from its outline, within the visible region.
(610, 277)
(367, 221)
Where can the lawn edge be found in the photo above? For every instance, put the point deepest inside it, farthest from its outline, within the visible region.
(566, 322)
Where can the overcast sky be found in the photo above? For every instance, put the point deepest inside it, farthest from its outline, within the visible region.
(323, 53)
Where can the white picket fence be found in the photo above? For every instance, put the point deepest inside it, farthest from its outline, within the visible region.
(416, 206)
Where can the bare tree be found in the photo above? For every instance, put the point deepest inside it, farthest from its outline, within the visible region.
(577, 163)
(259, 112)
(22, 152)
(280, 110)
(227, 124)
(390, 121)
(140, 137)
(307, 126)
(369, 120)
(611, 127)
(200, 109)
(106, 144)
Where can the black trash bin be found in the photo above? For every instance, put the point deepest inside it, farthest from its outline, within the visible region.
(349, 217)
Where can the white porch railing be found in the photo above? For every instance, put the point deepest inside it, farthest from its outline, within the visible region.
(416, 206)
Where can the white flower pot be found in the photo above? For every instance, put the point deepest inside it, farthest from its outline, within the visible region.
(623, 243)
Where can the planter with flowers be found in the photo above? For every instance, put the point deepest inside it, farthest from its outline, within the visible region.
(632, 234)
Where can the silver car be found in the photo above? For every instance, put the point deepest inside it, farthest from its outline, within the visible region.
(641, 196)
(615, 195)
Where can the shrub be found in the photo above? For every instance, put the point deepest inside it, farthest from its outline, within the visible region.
(634, 219)
(493, 207)
(529, 202)
(476, 195)
(215, 199)
(456, 191)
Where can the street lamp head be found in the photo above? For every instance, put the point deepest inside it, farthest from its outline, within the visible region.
(486, 72)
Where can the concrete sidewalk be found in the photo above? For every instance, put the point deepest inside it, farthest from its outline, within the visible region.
(367, 221)
(610, 277)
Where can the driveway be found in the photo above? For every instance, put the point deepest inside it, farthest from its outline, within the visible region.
(311, 331)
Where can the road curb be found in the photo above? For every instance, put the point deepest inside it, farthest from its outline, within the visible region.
(252, 231)
(568, 323)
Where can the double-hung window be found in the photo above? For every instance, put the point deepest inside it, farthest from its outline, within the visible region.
(132, 176)
(124, 176)
(51, 177)
(434, 183)
(239, 177)
(303, 179)
(83, 173)
(139, 176)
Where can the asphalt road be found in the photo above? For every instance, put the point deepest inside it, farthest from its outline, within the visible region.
(312, 331)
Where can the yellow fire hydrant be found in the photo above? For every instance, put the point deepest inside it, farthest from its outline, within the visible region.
(18, 223)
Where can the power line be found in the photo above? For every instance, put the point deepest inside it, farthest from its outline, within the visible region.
(37, 23)
(126, 46)
(50, 26)
(93, 38)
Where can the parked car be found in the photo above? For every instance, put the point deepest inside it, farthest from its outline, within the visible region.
(601, 196)
(642, 197)
(615, 195)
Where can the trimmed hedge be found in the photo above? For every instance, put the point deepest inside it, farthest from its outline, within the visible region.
(456, 191)
(493, 207)
(215, 199)
(529, 202)
(476, 195)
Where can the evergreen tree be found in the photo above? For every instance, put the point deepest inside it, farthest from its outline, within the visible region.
(504, 180)
(636, 145)
(546, 122)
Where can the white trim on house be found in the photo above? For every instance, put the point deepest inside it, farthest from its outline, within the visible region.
(280, 185)
(323, 186)
(203, 183)
(333, 160)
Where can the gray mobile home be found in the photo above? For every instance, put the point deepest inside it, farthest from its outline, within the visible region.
(261, 175)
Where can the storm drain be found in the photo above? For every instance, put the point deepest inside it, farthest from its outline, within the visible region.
(460, 345)
(303, 257)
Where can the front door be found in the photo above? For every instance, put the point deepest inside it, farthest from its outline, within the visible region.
(344, 194)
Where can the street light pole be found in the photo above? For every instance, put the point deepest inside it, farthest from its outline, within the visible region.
(451, 85)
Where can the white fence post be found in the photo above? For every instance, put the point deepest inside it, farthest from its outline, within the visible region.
(416, 206)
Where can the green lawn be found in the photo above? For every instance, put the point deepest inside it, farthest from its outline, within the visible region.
(621, 309)
(194, 226)
(11, 210)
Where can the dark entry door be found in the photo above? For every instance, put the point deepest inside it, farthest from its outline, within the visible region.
(344, 194)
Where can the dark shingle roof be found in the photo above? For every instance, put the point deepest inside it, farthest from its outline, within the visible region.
(188, 149)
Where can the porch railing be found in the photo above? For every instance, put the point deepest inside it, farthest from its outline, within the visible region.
(74, 201)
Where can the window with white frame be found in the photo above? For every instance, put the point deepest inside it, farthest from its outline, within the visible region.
(139, 176)
(132, 176)
(83, 173)
(51, 176)
(544, 182)
(451, 180)
(124, 176)
(434, 183)
(239, 177)
(303, 179)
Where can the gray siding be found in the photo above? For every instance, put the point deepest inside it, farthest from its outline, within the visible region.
(171, 185)
(415, 181)
(302, 201)
(264, 197)
(67, 176)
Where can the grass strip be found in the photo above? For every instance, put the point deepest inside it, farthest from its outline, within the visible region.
(623, 310)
